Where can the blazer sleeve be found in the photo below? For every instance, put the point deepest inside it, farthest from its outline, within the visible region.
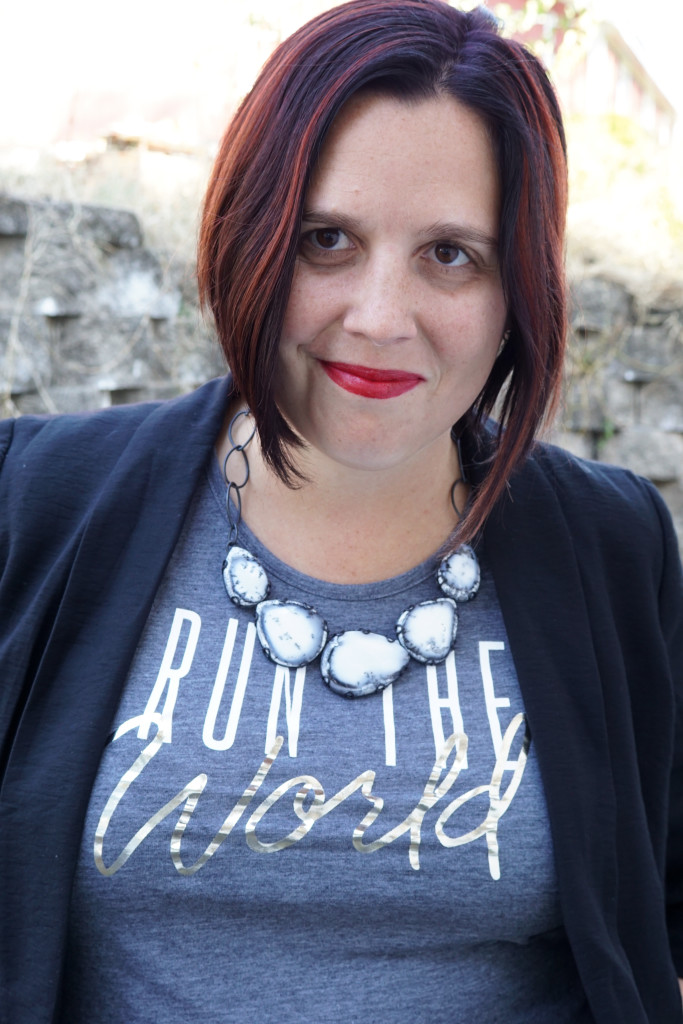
(9, 680)
(120, 479)
(671, 618)
(27, 560)
(51, 470)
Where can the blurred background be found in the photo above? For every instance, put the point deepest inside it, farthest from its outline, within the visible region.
(120, 108)
(125, 105)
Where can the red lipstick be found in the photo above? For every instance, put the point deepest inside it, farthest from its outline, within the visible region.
(369, 382)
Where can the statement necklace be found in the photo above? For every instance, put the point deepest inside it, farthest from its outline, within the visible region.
(355, 662)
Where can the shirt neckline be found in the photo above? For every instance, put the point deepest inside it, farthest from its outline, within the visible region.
(290, 577)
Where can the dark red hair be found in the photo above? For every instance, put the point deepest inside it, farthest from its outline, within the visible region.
(410, 49)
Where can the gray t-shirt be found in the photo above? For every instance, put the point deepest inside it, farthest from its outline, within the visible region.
(258, 848)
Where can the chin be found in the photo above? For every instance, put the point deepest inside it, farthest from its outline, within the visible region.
(372, 450)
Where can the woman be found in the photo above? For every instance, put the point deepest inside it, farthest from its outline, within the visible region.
(194, 825)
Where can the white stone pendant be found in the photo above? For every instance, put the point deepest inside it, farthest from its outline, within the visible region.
(459, 574)
(291, 634)
(358, 662)
(427, 630)
(245, 578)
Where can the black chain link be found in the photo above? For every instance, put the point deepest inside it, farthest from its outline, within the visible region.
(233, 497)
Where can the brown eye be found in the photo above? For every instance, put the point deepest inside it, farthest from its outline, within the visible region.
(317, 241)
(450, 255)
(327, 238)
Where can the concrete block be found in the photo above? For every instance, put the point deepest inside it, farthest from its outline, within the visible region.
(120, 350)
(13, 216)
(574, 442)
(648, 350)
(25, 355)
(150, 392)
(61, 399)
(661, 404)
(652, 453)
(84, 260)
(192, 348)
(584, 405)
(132, 285)
(12, 266)
(599, 305)
(673, 496)
(65, 270)
(106, 227)
(621, 402)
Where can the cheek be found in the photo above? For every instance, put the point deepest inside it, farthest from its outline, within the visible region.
(291, 324)
(310, 307)
(471, 336)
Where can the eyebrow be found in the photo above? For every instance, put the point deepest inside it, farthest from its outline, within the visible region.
(338, 220)
(462, 233)
(439, 229)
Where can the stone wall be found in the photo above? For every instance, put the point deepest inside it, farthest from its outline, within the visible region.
(624, 383)
(89, 317)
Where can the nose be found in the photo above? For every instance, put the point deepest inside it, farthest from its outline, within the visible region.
(380, 307)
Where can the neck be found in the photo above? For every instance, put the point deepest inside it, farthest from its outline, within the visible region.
(347, 524)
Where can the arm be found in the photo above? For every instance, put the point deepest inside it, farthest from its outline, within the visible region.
(671, 618)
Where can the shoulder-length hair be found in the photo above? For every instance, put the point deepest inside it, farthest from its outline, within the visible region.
(409, 49)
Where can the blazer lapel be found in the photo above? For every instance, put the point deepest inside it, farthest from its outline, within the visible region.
(530, 547)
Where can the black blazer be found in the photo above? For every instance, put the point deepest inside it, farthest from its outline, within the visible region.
(587, 571)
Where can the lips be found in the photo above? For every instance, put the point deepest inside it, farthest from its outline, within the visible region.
(370, 382)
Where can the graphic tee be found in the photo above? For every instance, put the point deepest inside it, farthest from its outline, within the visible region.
(258, 848)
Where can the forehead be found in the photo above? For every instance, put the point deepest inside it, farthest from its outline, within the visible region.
(431, 158)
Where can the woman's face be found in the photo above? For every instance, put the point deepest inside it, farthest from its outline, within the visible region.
(396, 311)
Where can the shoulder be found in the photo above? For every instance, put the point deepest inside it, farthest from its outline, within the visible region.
(620, 529)
(54, 467)
(33, 436)
(52, 473)
(561, 509)
(82, 447)
(54, 470)
(596, 497)
(570, 518)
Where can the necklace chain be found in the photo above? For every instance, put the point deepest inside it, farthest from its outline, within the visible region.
(234, 490)
(355, 662)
